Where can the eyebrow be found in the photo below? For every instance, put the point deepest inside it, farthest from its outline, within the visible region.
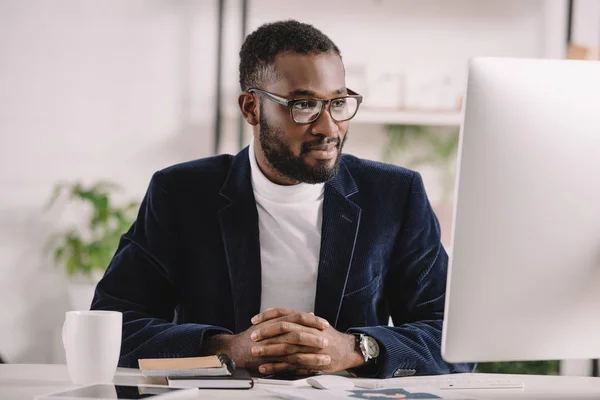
(305, 92)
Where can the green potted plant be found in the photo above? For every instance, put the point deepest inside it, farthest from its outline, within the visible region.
(85, 249)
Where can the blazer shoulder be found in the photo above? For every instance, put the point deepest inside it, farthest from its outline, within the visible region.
(378, 173)
(209, 172)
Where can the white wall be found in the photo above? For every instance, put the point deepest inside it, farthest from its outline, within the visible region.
(586, 23)
(117, 89)
(585, 33)
(89, 89)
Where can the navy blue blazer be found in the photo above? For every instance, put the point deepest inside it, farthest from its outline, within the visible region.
(190, 265)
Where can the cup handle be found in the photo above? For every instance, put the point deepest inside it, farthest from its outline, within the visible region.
(64, 334)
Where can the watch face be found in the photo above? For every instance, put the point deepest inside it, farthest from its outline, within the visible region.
(372, 347)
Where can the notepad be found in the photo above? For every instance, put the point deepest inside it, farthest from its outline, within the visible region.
(240, 379)
(218, 365)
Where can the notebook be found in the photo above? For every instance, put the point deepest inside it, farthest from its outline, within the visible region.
(218, 365)
(240, 379)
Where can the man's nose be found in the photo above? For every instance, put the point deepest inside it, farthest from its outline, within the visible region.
(325, 125)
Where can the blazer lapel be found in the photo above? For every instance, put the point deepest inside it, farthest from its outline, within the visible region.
(341, 220)
(239, 230)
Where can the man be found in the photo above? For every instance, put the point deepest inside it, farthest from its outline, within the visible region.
(289, 257)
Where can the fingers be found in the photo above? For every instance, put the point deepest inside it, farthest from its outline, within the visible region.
(281, 349)
(306, 371)
(307, 360)
(288, 332)
(296, 362)
(285, 367)
(271, 313)
(307, 319)
(275, 368)
(309, 339)
(295, 322)
(300, 318)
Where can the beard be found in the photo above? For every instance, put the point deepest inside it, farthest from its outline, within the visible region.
(282, 159)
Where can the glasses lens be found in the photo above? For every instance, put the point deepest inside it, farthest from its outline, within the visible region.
(343, 109)
(306, 110)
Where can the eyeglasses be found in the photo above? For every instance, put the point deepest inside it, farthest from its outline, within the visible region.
(306, 111)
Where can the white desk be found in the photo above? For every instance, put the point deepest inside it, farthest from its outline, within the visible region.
(24, 381)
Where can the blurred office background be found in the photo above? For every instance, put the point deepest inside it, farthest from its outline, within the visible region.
(113, 90)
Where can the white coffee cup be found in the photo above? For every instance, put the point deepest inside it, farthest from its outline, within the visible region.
(92, 341)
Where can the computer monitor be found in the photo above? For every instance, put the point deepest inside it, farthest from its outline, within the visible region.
(524, 273)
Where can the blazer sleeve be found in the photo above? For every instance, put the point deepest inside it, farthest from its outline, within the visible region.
(415, 289)
(141, 282)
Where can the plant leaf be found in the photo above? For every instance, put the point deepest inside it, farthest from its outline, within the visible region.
(82, 251)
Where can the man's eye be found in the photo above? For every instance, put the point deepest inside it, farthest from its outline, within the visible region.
(339, 103)
(305, 104)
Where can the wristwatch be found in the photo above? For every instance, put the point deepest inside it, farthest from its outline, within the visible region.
(367, 346)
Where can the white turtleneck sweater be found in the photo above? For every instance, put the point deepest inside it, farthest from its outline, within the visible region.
(289, 221)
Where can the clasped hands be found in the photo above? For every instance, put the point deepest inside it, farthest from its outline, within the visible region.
(282, 340)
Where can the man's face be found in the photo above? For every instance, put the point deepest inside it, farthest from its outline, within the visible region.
(305, 153)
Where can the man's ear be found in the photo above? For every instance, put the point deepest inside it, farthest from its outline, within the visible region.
(249, 107)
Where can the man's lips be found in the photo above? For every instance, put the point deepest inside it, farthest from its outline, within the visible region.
(323, 147)
(323, 151)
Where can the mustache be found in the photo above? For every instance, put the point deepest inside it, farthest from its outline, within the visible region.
(306, 147)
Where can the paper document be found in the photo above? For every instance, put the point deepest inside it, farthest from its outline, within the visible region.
(309, 393)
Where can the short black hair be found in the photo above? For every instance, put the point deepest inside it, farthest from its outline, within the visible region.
(262, 46)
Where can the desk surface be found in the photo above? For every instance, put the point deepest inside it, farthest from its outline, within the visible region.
(24, 381)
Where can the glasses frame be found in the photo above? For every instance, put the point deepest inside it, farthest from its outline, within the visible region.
(289, 103)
